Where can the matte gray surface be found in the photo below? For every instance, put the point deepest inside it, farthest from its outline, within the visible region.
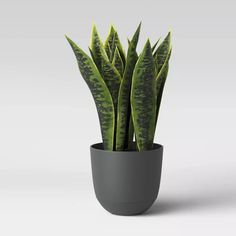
(126, 183)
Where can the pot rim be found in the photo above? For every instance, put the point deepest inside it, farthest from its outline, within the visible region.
(98, 147)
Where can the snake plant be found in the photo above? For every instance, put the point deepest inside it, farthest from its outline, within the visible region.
(127, 88)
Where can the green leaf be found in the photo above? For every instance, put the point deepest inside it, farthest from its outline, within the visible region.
(109, 43)
(98, 50)
(143, 99)
(101, 95)
(160, 82)
(162, 56)
(117, 62)
(162, 52)
(124, 110)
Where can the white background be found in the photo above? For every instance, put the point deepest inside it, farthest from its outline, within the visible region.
(48, 119)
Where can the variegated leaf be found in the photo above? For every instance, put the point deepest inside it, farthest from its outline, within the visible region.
(160, 82)
(101, 95)
(143, 99)
(124, 109)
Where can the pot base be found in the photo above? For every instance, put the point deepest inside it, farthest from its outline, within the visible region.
(126, 209)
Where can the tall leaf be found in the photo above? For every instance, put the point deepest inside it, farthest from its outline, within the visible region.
(124, 110)
(143, 99)
(101, 95)
(160, 81)
(162, 56)
(131, 125)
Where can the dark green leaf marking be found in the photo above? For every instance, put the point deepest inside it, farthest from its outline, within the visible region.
(101, 95)
(143, 99)
(124, 110)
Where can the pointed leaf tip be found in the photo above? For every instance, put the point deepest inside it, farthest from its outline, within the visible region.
(140, 24)
(67, 37)
(112, 29)
(94, 29)
(138, 29)
(70, 41)
(148, 45)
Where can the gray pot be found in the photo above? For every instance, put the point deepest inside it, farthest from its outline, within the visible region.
(126, 183)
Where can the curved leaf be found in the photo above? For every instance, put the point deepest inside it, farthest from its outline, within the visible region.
(143, 99)
(124, 110)
(101, 95)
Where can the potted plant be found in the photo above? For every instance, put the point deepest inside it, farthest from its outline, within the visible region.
(127, 90)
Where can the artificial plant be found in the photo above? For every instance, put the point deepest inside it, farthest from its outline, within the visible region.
(127, 88)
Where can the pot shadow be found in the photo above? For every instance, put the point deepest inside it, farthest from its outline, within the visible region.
(212, 193)
(169, 205)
